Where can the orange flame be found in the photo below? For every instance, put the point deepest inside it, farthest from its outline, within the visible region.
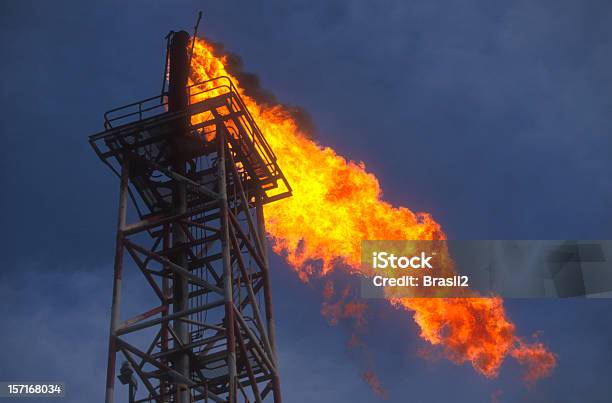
(536, 357)
(336, 203)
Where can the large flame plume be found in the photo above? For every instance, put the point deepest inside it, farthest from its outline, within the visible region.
(336, 203)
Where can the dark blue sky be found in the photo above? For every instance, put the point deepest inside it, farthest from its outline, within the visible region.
(493, 116)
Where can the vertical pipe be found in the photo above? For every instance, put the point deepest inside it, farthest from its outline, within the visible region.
(261, 229)
(166, 290)
(118, 271)
(248, 367)
(227, 266)
(178, 100)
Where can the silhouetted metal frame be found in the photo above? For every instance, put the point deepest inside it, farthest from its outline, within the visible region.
(246, 345)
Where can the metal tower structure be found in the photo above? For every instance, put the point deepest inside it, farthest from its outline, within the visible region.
(195, 172)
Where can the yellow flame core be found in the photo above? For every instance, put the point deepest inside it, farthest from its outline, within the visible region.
(335, 204)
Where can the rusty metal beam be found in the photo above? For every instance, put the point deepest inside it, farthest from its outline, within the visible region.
(118, 272)
(227, 266)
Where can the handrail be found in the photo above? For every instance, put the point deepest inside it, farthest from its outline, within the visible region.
(123, 121)
(137, 111)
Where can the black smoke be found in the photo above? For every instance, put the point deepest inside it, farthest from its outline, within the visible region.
(251, 84)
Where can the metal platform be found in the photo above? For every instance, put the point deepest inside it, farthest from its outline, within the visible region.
(145, 129)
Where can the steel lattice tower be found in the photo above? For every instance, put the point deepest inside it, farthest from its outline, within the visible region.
(195, 173)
